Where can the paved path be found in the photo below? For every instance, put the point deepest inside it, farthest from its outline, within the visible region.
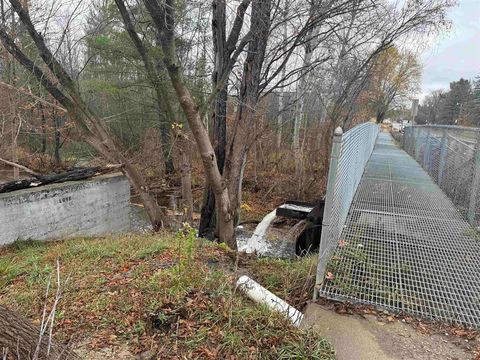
(405, 247)
(357, 337)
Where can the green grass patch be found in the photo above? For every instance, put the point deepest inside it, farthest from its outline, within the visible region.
(473, 233)
(172, 293)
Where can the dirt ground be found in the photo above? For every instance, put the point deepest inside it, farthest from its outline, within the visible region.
(364, 337)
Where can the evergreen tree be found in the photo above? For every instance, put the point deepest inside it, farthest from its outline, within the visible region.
(456, 107)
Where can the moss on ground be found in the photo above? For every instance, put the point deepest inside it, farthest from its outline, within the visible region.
(169, 293)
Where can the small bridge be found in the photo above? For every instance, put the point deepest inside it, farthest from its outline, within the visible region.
(400, 225)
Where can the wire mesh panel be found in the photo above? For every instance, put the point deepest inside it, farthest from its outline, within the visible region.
(350, 153)
(405, 246)
(448, 154)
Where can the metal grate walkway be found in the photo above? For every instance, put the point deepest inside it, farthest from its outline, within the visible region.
(405, 246)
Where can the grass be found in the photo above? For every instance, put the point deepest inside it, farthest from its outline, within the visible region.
(473, 234)
(169, 293)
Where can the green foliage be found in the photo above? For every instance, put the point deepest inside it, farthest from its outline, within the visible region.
(114, 82)
(25, 245)
(101, 41)
(9, 270)
(151, 250)
(187, 238)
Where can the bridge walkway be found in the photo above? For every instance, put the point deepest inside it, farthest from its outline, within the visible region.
(405, 247)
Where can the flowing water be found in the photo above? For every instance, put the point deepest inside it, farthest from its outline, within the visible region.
(257, 242)
(261, 244)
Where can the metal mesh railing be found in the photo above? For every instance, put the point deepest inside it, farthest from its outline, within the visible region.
(350, 152)
(450, 155)
(405, 246)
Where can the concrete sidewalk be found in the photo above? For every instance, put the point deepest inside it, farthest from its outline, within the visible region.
(357, 337)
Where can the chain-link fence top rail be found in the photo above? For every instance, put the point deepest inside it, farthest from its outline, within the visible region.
(450, 155)
(405, 246)
(350, 153)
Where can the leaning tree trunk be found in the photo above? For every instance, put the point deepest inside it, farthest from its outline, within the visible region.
(164, 20)
(219, 127)
(20, 338)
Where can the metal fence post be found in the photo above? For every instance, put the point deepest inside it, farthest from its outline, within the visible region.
(426, 152)
(407, 137)
(417, 144)
(443, 156)
(472, 206)
(327, 215)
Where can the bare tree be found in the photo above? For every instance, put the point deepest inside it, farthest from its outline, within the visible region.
(368, 34)
(272, 61)
(223, 48)
(62, 88)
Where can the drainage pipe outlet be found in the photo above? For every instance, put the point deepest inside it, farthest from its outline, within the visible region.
(260, 295)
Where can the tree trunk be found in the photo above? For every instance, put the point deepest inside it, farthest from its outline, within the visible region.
(206, 227)
(380, 116)
(281, 97)
(14, 132)
(207, 220)
(56, 126)
(164, 20)
(187, 198)
(242, 138)
(280, 121)
(297, 151)
(219, 126)
(225, 220)
(165, 137)
(20, 337)
(44, 129)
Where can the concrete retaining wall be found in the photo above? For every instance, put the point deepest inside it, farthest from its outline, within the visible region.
(79, 208)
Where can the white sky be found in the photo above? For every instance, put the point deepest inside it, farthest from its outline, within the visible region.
(456, 54)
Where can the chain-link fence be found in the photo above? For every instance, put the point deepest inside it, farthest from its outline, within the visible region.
(450, 155)
(350, 152)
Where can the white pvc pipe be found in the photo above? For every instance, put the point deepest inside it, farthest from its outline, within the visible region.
(260, 295)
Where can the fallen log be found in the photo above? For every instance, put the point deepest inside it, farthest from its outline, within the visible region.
(74, 174)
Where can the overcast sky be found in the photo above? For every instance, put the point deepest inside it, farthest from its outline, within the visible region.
(456, 54)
